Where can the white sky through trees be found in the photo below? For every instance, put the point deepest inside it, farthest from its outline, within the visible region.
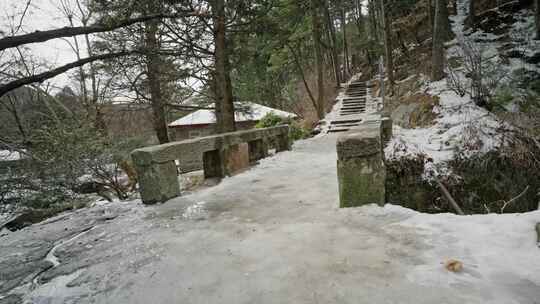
(41, 15)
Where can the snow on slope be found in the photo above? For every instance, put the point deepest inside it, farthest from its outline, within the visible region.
(463, 127)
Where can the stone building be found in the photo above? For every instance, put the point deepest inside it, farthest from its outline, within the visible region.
(203, 122)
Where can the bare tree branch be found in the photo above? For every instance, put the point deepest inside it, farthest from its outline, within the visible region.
(10, 86)
(42, 36)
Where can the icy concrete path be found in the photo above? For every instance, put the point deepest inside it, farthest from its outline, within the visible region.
(273, 234)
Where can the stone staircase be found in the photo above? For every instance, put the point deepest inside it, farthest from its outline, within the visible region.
(352, 107)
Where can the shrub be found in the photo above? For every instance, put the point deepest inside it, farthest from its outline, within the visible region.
(296, 131)
(67, 159)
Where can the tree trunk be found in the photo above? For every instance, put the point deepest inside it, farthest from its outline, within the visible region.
(471, 21)
(537, 18)
(153, 64)
(445, 22)
(430, 14)
(437, 69)
(316, 22)
(224, 97)
(387, 35)
(372, 20)
(335, 56)
(345, 45)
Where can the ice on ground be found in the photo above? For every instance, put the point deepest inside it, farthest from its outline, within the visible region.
(496, 250)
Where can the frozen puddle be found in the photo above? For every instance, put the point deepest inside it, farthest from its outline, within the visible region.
(196, 212)
(48, 293)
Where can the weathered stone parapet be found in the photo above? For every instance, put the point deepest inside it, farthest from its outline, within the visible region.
(360, 165)
(386, 128)
(222, 155)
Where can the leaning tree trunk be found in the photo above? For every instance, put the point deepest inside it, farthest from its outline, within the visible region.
(472, 18)
(372, 21)
(437, 69)
(445, 21)
(537, 18)
(316, 22)
(332, 31)
(345, 44)
(387, 33)
(154, 82)
(430, 13)
(223, 87)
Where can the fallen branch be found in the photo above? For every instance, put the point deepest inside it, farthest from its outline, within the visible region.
(514, 199)
(450, 198)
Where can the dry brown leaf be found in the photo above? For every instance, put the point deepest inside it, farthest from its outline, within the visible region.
(453, 265)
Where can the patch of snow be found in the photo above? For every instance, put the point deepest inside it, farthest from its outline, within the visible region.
(7, 155)
(42, 294)
(196, 211)
(461, 127)
(495, 249)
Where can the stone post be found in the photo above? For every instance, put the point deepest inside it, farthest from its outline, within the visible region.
(283, 143)
(236, 158)
(360, 166)
(213, 164)
(386, 128)
(258, 149)
(160, 180)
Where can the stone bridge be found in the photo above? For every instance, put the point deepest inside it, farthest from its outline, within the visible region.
(222, 155)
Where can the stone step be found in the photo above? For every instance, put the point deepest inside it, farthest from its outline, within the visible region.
(338, 130)
(354, 111)
(354, 102)
(345, 121)
(354, 99)
(349, 112)
(357, 102)
(353, 106)
(347, 125)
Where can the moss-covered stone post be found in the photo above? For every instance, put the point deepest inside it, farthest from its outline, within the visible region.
(360, 166)
(160, 179)
(283, 142)
(258, 149)
(386, 128)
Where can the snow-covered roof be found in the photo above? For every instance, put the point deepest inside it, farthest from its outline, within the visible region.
(245, 111)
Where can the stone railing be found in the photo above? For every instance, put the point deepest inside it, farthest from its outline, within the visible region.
(222, 155)
(360, 165)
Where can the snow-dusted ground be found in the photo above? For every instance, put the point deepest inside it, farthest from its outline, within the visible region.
(275, 234)
(7, 155)
(461, 126)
